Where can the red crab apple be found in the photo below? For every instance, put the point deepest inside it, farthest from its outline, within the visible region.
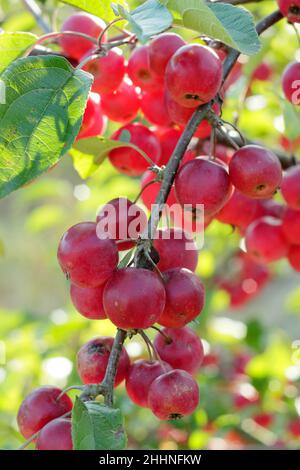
(134, 298)
(290, 187)
(183, 71)
(185, 297)
(56, 435)
(86, 259)
(154, 107)
(150, 191)
(41, 406)
(108, 71)
(173, 395)
(92, 359)
(239, 210)
(88, 301)
(122, 104)
(93, 122)
(140, 376)
(265, 240)
(294, 257)
(76, 46)
(181, 348)
(139, 71)
(290, 9)
(121, 219)
(176, 249)
(203, 181)
(291, 81)
(291, 226)
(255, 171)
(161, 49)
(128, 160)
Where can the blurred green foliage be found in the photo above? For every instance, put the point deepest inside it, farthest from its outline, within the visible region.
(40, 332)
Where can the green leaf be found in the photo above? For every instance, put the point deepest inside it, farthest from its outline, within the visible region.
(148, 19)
(101, 8)
(291, 120)
(82, 427)
(45, 102)
(125, 260)
(89, 153)
(108, 427)
(232, 25)
(13, 46)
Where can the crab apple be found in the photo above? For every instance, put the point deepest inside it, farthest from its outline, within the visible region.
(262, 72)
(291, 81)
(263, 419)
(181, 348)
(56, 435)
(121, 219)
(269, 207)
(41, 406)
(294, 257)
(93, 122)
(123, 104)
(183, 71)
(290, 187)
(139, 71)
(185, 298)
(128, 160)
(294, 427)
(154, 107)
(265, 240)
(134, 298)
(168, 139)
(291, 226)
(190, 221)
(290, 9)
(239, 210)
(203, 181)
(108, 71)
(181, 115)
(161, 49)
(140, 376)
(92, 359)
(173, 395)
(76, 46)
(86, 259)
(150, 191)
(176, 249)
(88, 301)
(255, 171)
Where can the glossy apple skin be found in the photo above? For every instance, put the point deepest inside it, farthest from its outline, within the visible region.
(56, 435)
(176, 249)
(161, 49)
(290, 187)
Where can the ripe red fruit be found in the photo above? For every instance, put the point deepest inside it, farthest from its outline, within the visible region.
(265, 240)
(93, 122)
(139, 71)
(176, 249)
(134, 298)
(185, 297)
(173, 395)
(122, 105)
(161, 50)
(88, 301)
(56, 435)
(154, 108)
(140, 376)
(75, 46)
(108, 71)
(121, 219)
(294, 257)
(255, 171)
(263, 419)
(203, 181)
(87, 260)
(168, 139)
(291, 80)
(92, 359)
(262, 72)
(269, 207)
(41, 406)
(291, 226)
(150, 192)
(181, 348)
(294, 427)
(239, 210)
(183, 71)
(290, 9)
(290, 187)
(129, 161)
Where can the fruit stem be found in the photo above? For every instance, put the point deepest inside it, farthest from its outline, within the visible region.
(72, 387)
(147, 340)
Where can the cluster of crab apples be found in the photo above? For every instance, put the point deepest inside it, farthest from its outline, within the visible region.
(162, 83)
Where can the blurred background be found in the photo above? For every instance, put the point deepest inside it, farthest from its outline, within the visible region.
(250, 379)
